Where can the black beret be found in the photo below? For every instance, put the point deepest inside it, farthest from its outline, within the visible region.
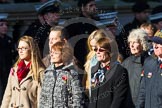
(50, 6)
(83, 2)
(140, 6)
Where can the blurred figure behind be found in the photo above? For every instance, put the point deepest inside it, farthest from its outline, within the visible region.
(141, 11)
(7, 51)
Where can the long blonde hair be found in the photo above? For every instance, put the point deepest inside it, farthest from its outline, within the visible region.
(97, 34)
(36, 62)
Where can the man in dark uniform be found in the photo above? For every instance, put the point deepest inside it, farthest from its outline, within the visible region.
(50, 13)
(7, 52)
(141, 15)
(87, 10)
(150, 93)
(32, 29)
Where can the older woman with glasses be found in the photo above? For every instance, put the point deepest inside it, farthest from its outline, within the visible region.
(24, 82)
(61, 87)
(138, 45)
(109, 80)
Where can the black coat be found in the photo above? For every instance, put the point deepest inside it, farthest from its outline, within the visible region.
(33, 28)
(40, 33)
(7, 58)
(112, 92)
(150, 94)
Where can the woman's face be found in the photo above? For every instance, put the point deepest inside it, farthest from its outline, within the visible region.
(157, 49)
(102, 54)
(24, 51)
(56, 56)
(93, 44)
(135, 48)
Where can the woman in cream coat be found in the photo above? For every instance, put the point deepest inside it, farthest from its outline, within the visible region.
(25, 77)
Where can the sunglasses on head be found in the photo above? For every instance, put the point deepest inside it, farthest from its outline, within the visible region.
(99, 49)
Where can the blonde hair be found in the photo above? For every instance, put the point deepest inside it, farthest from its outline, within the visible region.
(97, 34)
(66, 50)
(36, 62)
(139, 36)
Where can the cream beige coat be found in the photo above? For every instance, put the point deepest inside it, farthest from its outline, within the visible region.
(24, 94)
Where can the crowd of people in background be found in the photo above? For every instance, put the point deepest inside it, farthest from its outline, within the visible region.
(103, 70)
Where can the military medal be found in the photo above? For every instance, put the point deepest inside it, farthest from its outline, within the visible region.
(142, 73)
(149, 75)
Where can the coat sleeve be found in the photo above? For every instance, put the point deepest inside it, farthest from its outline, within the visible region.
(8, 92)
(141, 96)
(77, 97)
(40, 86)
(120, 89)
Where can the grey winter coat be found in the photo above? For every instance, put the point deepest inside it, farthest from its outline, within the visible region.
(150, 93)
(61, 88)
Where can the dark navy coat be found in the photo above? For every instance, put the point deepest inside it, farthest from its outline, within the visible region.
(112, 92)
(150, 93)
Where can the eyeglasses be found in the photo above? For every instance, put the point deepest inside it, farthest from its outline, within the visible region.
(22, 49)
(99, 49)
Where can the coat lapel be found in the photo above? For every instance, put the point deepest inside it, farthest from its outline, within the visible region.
(108, 73)
(29, 76)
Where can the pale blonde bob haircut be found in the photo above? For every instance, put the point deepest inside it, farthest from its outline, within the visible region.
(36, 62)
(139, 35)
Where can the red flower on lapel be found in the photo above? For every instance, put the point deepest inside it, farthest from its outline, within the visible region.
(142, 73)
(107, 67)
(64, 78)
(160, 66)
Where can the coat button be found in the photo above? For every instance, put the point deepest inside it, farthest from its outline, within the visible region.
(21, 105)
(13, 88)
(24, 88)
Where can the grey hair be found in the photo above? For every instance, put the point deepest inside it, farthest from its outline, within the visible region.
(140, 36)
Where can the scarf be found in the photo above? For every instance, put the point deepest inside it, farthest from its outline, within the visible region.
(22, 70)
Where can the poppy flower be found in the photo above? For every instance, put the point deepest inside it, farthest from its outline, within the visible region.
(160, 66)
(64, 78)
